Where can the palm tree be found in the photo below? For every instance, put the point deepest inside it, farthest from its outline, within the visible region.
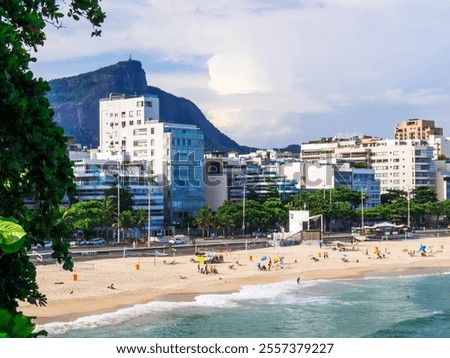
(204, 218)
(140, 218)
(126, 221)
(108, 209)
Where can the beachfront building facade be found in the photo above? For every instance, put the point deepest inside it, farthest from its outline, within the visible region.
(170, 154)
(93, 177)
(403, 164)
(235, 179)
(443, 179)
(362, 180)
(398, 164)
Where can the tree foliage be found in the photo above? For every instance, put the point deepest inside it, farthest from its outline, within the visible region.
(85, 216)
(33, 160)
(204, 219)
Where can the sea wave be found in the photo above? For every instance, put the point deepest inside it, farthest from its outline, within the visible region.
(280, 292)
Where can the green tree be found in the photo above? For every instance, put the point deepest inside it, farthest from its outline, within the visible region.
(140, 219)
(33, 159)
(108, 212)
(126, 220)
(277, 212)
(228, 216)
(126, 198)
(204, 219)
(255, 216)
(86, 216)
(392, 195)
(424, 194)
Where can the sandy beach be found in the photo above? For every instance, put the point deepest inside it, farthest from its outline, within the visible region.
(109, 284)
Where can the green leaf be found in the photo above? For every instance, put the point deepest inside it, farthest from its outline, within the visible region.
(22, 326)
(11, 236)
(5, 317)
(14, 247)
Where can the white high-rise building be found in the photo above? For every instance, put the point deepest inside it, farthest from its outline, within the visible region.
(398, 164)
(170, 153)
(403, 164)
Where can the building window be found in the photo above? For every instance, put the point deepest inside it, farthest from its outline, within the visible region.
(140, 104)
(152, 130)
(148, 104)
(130, 114)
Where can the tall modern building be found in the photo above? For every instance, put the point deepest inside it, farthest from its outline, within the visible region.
(419, 129)
(171, 154)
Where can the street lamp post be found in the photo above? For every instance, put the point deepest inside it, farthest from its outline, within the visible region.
(149, 216)
(362, 209)
(409, 208)
(118, 205)
(243, 212)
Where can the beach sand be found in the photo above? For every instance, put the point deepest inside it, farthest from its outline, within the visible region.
(145, 279)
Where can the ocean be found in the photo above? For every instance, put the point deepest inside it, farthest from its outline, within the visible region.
(397, 307)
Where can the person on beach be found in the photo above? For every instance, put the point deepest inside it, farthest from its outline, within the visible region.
(298, 280)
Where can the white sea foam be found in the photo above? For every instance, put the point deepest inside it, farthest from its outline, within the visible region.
(112, 318)
(267, 293)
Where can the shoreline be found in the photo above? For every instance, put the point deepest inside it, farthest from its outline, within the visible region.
(69, 300)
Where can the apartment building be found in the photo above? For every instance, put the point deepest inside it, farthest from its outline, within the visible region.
(443, 179)
(419, 129)
(403, 164)
(398, 164)
(93, 177)
(169, 153)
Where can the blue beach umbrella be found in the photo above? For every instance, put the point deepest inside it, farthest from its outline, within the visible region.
(421, 248)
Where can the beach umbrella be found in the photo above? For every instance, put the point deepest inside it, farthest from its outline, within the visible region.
(421, 248)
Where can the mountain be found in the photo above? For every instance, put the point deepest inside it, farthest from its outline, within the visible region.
(75, 101)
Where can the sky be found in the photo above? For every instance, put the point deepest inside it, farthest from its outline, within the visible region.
(269, 73)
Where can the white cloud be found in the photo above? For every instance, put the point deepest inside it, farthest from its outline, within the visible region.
(419, 97)
(237, 73)
(257, 64)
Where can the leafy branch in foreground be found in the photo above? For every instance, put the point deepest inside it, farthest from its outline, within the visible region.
(33, 158)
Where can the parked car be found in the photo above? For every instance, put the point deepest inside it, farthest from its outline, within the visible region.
(176, 241)
(47, 244)
(97, 241)
(257, 234)
(82, 242)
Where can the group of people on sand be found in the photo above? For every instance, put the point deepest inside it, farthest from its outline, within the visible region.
(207, 269)
(270, 264)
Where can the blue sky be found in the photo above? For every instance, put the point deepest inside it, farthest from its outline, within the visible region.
(273, 73)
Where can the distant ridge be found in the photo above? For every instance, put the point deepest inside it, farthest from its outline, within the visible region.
(75, 101)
